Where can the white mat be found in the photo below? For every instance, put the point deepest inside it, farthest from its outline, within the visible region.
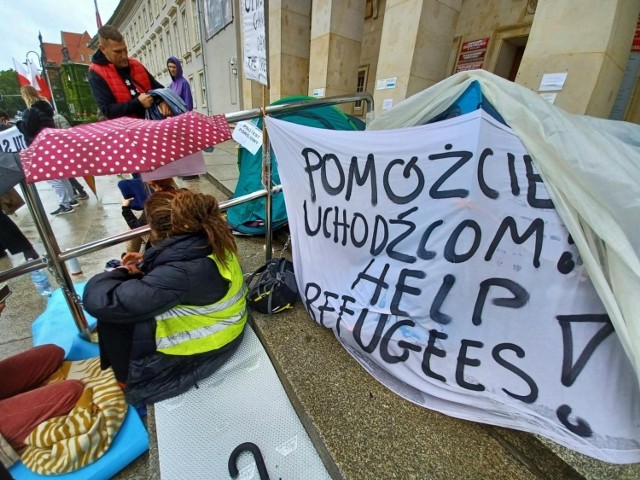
(242, 402)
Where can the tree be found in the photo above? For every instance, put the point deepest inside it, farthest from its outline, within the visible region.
(10, 89)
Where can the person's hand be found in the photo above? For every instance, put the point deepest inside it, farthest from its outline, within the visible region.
(146, 100)
(164, 109)
(126, 201)
(2, 305)
(131, 258)
(133, 269)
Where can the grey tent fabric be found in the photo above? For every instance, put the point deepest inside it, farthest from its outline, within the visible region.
(11, 172)
(176, 104)
(591, 168)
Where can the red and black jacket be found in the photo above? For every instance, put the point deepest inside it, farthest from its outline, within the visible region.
(112, 95)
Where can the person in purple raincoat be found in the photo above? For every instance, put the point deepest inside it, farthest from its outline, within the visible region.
(179, 84)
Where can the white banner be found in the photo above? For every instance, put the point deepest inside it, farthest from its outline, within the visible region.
(435, 255)
(11, 140)
(254, 40)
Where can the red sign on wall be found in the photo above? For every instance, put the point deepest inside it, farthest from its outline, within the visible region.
(635, 46)
(472, 54)
(480, 44)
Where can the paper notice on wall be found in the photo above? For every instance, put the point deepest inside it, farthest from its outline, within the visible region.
(387, 103)
(318, 92)
(381, 84)
(549, 97)
(248, 135)
(552, 81)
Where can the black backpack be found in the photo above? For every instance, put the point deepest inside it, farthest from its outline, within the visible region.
(272, 287)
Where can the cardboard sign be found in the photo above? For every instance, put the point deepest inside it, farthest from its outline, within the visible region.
(11, 140)
(248, 135)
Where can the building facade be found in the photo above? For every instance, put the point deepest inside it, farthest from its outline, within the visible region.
(393, 49)
(67, 65)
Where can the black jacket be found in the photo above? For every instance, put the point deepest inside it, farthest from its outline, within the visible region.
(35, 119)
(104, 97)
(176, 271)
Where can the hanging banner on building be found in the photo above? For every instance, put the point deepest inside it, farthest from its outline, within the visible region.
(11, 140)
(217, 15)
(472, 55)
(435, 255)
(254, 33)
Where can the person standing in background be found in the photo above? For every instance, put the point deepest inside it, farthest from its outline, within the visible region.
(179, 84)
(5, 121)
(37, 117)
(119, 84)
(78, 190)
(12, 239)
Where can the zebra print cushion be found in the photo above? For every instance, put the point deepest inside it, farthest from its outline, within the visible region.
(65, 444)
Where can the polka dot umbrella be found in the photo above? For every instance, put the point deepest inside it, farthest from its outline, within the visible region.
(122, 145)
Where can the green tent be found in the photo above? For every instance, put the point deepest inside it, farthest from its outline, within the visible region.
(249, 218)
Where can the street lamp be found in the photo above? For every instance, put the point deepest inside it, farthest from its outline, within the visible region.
(42, 62)
(36, 54)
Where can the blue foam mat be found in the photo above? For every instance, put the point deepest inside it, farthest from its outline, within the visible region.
(56, 326)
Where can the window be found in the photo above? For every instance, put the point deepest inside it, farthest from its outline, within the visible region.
(185, 28)
(161, 51)
(193, 94)
(169, 45)
(196, 22)
(144, 15)
(203, 89)
(82, 57)
(176, 35)
(361, 86)
(150, 13)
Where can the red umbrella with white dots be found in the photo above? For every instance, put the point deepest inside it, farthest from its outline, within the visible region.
(122, 145)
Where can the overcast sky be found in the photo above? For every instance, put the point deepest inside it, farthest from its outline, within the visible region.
(23, 19)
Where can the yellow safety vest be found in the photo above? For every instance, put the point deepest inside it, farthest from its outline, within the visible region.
(192, 329)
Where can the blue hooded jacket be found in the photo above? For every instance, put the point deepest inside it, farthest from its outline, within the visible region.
(180, 85)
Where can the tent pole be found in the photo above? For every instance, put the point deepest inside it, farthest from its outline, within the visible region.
(52, 259)
(266, 175)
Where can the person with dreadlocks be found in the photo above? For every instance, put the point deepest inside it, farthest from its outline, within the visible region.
(170, 317)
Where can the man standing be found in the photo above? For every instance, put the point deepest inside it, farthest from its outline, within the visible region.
(120, 84)
(179, 84)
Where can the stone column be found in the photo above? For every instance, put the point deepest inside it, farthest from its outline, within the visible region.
(289, 34)
(336, 37)
(590, 40)
(415, 47)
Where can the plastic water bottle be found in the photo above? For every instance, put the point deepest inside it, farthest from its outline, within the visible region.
(41, 281)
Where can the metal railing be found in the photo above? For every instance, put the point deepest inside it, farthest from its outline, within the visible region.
(54, 259)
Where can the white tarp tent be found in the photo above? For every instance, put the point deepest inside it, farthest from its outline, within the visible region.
(435, 255)
(591, 168)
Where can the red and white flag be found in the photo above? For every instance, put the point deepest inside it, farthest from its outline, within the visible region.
(22, 73)
(38, 82)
